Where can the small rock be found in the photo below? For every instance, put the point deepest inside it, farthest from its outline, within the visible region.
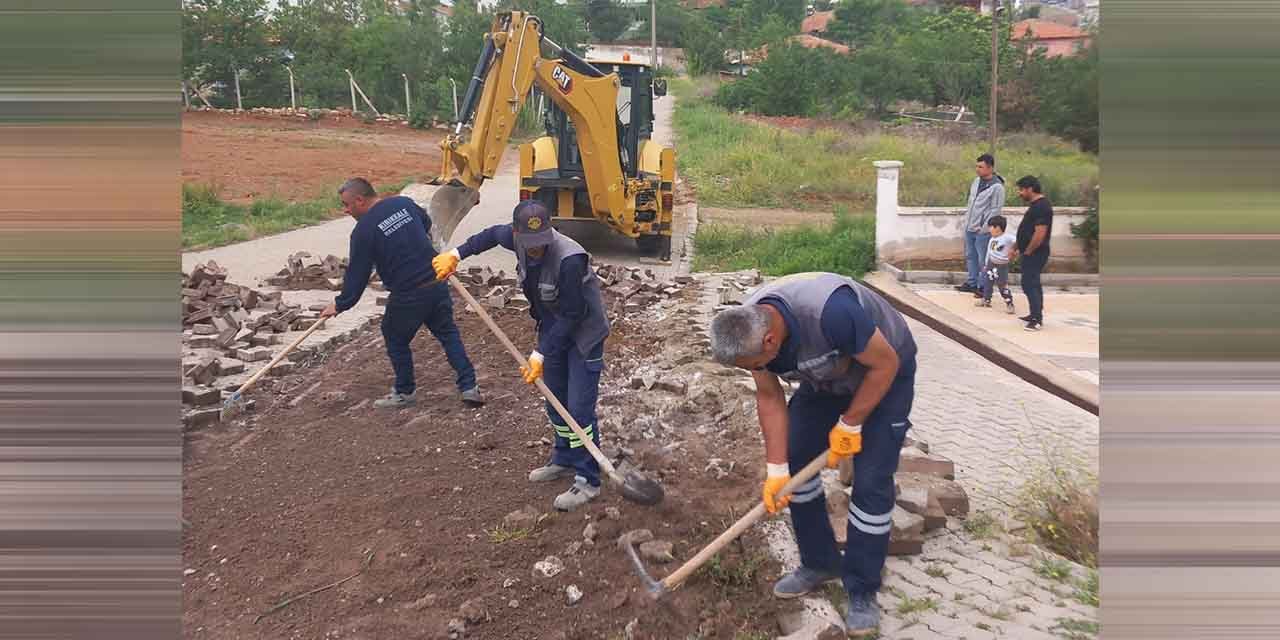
(613, 513)
(333, 396)
(510, 582)
(188, 572)
(589, 532)
(657, 551)
(549, 567)
(514, 604)
(425, 602)
(521, 518)
(635, 536)
(573, 594)
(473, 611)
(617, 600)
(457, 628)
(573, 548)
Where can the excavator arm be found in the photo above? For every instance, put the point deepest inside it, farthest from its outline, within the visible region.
(510, 64)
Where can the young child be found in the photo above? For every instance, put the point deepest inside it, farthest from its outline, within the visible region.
(997, 267)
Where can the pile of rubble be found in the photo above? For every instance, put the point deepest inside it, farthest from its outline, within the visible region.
(317, 114)
(228, 325)
(307, 271)
(926, 491)
(735, 287)
(632, 289)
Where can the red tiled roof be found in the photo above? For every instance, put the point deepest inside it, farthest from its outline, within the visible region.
(1046, 30)
(704, 4)
(444, 10)
(817, 23)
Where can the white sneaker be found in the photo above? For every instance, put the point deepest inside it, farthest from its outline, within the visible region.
(395, 400)
(550, 472)
(577, 495)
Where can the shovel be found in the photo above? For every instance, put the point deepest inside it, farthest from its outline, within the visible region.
(232, 406)
(635, 486)
(659, 588)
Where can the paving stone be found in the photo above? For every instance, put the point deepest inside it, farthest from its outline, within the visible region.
(201, 417)
(912, 460)
(253, 354)
(200, 396)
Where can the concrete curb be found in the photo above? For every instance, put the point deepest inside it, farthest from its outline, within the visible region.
(690, 230)
(956, 277)
(1011, 357)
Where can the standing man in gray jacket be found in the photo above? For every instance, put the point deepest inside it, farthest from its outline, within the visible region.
(986, 198)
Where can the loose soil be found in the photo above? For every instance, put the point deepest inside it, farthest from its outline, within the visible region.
(248, 155)
(293, 498)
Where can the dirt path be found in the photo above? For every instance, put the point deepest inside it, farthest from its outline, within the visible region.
(296, 496)
(247, 156)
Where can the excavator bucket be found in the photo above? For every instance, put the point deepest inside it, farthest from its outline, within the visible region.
(448, 206)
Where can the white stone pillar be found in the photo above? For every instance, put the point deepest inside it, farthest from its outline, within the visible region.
(887, 230)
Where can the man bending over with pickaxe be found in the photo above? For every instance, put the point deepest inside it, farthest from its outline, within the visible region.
(855, 360)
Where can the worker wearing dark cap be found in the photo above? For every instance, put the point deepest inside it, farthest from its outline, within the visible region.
(565, 302)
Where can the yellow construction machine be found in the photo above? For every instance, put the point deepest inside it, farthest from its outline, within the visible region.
(597, 161)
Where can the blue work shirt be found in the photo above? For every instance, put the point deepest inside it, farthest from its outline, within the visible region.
(555, 328)
(845, 324)
(395, 238)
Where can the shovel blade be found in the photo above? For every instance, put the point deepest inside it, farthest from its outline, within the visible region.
(641, 490)
(448, 206)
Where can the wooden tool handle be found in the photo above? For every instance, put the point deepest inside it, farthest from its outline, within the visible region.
(542, 387)
(678, 576)
(276, 360)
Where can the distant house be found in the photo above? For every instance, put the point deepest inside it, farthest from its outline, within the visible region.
(703, 4)
(1055, 39)
(817, 22)
(443, 12)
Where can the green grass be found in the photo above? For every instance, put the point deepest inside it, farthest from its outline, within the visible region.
(734, 576)
(1086, 592)
(848, 247)
(1058, 570)
(982, 526)
(208, 221)
(1075, 628)
(734, 162)
(908, 606)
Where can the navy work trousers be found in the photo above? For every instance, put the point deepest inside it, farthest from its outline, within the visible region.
(574, 379)
(811, 416)
(409, 311)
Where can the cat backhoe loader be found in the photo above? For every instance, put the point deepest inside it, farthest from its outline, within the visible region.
(597, 161)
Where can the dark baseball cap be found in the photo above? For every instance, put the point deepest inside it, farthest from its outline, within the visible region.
(531, 222)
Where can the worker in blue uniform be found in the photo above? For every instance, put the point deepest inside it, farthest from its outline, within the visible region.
(393, 235)
(855, 359)
(571, 324)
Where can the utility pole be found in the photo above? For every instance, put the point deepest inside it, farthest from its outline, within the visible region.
(408, 110)
(653, 33)
(293, 102)
(239, 105)
(995, 70)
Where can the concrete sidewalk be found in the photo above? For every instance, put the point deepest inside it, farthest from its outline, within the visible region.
(1070, 334)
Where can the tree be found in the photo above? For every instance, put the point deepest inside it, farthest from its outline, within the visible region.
(220, 38)
(774, 31)
(794, 81)
(885, 76)
(564, 24)
(607, 19)
(859, 22)
(703, 47)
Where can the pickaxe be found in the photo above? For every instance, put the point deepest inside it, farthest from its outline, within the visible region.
(659, 588)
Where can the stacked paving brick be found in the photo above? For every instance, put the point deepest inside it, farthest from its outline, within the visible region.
(305, 271)
(735, 287)
(926, 491)
(226, 326)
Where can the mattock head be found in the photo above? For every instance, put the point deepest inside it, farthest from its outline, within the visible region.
(628, 542)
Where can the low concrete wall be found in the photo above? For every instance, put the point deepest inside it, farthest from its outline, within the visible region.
(937, 233)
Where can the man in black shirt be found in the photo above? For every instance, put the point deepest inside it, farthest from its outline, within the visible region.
(1033, 244)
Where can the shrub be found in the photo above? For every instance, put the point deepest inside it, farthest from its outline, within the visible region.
(847, 247)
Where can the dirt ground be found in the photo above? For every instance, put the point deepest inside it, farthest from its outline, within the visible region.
(248, 155)
(293, 498)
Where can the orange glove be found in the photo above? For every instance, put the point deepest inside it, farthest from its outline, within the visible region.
(446, 263)
(778, 475)
(533, 370)
(844, 441)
